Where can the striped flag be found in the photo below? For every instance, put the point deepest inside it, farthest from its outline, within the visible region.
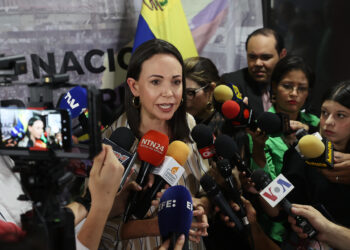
(165, 19)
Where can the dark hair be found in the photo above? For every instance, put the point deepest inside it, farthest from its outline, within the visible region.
(33, 119)
(340, 93)
(178, 123)
(201, 70)
(268, 32)
(289, 63)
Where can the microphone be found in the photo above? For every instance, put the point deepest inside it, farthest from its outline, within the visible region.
(222, 93)
(238, 113)
(75, 100)
(317, 151)
(175, 214)
(225, 170)
(121, 141)
(151, 150)
(274, 124)
(274, 192)
(213, 191)
(169, 172)
(203, 136)
(227, 148)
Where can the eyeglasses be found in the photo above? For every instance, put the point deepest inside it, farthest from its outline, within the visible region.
(291, 87)
(191, 93)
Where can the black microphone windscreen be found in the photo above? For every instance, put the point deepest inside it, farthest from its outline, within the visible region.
(260, 178)
(269, 123)
(123, 137)
(225, 146)
(224, 167)
(209, 184)
(202, 135)
(107, 115)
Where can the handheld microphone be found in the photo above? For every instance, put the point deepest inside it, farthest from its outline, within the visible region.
(75, 100)
(175, 214)
(226, 147)
(225, 170)
(317, 151)
(222, 93)
(151, 150)
(169, 172)
(203, 136)
(121, 141)
(274, 124)
(213, 191)
(262, 180)
(237, 112)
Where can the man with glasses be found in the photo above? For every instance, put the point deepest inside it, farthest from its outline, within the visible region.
(264, 49)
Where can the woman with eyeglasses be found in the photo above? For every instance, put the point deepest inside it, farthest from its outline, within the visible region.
(202, 77)
(291, 82)
(326, 189)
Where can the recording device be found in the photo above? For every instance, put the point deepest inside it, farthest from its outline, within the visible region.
(175, 214)
(151, 150)
(38, 139)
(263, 180)
(214, 193)
(227, 148)
(169, 172)
(238, 113)
(225, 170)
(222, 93)
(35, 130)
(274, 124)
(204, 138)
(317, 151)
(121, 141)
(11, 67)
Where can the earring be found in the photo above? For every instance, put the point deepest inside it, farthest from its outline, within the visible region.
(209, 106)
(136, 102)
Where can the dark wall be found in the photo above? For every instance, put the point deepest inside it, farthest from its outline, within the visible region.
(319, 31)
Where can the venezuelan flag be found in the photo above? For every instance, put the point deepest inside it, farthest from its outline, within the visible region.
(165, 19)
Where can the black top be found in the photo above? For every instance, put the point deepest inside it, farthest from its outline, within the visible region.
(248, 87)
(311, 187)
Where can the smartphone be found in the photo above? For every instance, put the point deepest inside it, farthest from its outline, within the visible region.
(28, 130)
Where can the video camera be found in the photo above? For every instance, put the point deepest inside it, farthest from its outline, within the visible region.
(38, 137)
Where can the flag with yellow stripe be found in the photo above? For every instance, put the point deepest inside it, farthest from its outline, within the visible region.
(165, 19)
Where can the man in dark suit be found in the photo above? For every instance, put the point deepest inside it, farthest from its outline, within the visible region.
(264, 49)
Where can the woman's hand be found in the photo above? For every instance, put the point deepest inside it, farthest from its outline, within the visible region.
(105, 177)
(259, 139)
(294, 126)
(178, 245)
(200, 225)
(341, 171)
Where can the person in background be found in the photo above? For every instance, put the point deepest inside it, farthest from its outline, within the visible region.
(291, 82)
(326, 189)
(202, 77)
(264, 47)
(34, 136)
(156, 100)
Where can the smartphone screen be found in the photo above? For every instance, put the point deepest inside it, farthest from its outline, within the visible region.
(35, 130)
